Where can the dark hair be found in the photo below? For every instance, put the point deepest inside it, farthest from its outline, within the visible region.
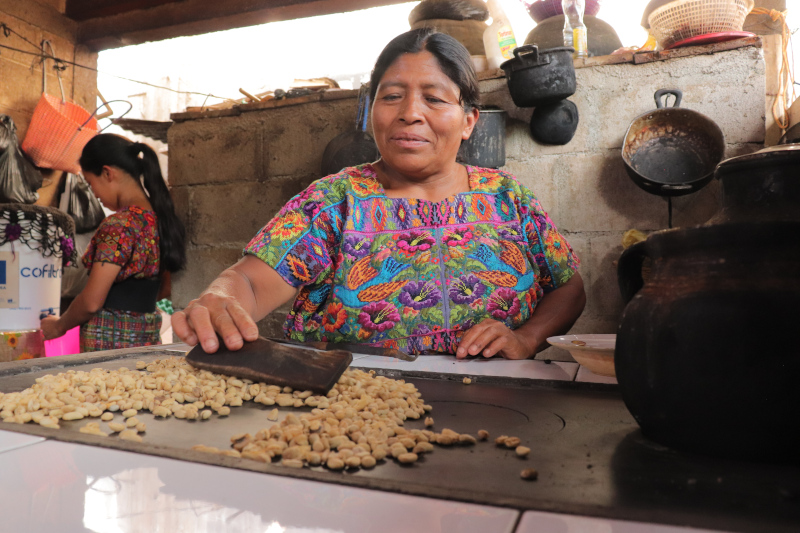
(451, 55)
(141, 162)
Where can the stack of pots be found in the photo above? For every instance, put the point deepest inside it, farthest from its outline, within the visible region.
(543, 79)
(705, 356)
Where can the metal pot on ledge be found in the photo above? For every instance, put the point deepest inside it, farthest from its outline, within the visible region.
(705, 357)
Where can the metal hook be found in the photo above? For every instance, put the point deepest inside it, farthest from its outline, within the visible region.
(56, 67)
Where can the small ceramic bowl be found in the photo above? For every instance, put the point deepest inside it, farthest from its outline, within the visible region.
(595, 352)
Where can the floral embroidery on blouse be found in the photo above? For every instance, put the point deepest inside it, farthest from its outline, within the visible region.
(128, 238)
(412, 274)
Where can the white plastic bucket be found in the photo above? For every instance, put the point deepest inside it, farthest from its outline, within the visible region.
(30, 285)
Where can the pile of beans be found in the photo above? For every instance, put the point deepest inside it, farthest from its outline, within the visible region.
(361, 425)
(357, 424)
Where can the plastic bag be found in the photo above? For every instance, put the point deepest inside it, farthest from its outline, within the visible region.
(19, 179)
(81, 204)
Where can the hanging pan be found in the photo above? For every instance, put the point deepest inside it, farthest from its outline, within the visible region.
(672, 151)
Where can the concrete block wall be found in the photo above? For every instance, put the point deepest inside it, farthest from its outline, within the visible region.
(230, 174)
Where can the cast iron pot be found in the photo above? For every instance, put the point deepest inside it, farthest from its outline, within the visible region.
(672, 151)
(353, 147)
(486, 147)
(554, 123)
(762, 186)
(539, 77)
(705, 356)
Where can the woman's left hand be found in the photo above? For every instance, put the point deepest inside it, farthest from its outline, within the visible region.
(51, 328)
(490, 338)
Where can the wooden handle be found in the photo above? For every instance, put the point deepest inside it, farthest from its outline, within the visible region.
(250, 96)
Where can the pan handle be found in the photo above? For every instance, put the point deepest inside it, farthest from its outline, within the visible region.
(677, 93)
(529, 56)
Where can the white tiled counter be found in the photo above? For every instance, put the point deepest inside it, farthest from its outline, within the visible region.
(52, 486)
(474, 366)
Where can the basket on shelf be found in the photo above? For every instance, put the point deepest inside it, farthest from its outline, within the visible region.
(682, 19)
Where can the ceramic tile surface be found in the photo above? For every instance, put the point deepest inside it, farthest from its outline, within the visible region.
(587, 376)
(477, 366)
(9, 440)
(66, 488)
(541, 522)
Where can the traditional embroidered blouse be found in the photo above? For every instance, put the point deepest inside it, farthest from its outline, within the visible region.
(128, 238)
(412, 274)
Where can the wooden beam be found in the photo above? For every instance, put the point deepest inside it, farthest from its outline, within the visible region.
(195, 17)
(81, 10)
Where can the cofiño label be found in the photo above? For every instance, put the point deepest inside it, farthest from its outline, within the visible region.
(45, 272)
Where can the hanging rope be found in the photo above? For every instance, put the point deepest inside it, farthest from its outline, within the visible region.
(786, 92)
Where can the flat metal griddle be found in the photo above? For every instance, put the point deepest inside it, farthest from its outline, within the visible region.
(591, 457)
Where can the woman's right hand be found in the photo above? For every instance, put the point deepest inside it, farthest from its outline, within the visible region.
(212, 316)
(231, 306)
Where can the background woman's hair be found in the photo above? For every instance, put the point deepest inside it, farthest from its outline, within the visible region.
(451, 55)
(139, 160)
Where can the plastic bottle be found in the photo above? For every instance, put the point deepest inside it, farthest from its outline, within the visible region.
(498, 38)
(573, 20)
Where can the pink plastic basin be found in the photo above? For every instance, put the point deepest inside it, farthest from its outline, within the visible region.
(67, 344)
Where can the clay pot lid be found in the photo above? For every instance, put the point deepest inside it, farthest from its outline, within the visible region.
(780, 154)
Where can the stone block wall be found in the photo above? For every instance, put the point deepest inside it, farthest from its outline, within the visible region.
(232, 170)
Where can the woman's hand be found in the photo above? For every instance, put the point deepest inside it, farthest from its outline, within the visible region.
(490, 338)
(231, 306)
(555, 313)
(214, 312)
(52, 328)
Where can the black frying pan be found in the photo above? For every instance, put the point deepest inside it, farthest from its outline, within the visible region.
(672, 151)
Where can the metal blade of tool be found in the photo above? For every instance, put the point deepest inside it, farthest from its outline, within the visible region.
(273, 363)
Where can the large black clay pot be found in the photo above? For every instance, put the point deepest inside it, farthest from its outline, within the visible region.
(762, 186)
(707, 355)
(601, 36)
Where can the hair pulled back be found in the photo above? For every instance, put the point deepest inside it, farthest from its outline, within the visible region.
(141, 162)
(451, 55)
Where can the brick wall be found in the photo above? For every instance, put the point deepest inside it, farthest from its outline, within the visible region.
(21, 73)
(232, 170)
(21, 86)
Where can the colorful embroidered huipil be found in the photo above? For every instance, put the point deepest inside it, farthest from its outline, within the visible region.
(412, 274)
(129, 239)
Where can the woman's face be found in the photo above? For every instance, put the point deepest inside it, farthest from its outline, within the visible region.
(100, 188)
(417, 117)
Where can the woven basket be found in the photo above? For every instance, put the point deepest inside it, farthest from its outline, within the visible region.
(57, 133)
(683, 19)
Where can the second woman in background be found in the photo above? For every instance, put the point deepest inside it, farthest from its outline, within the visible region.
(131, 248)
